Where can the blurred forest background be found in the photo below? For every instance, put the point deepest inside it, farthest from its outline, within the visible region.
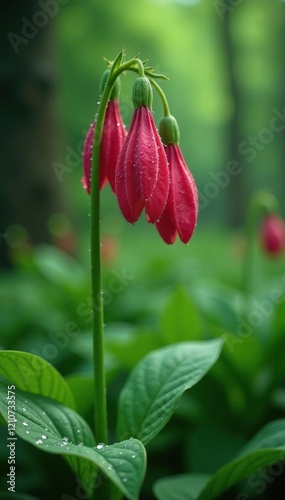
(226, 64)
(225, 61)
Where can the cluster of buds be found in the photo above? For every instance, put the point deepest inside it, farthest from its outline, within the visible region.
(272, 235)
(145, 167)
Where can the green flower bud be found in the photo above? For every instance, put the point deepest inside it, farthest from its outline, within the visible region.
(116, 88)
(142, 92)
(168, 130)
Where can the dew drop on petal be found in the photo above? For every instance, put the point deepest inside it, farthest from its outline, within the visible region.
(100, 446)
(25, 424)
(133, 456)
(39, 441)
(44, 436)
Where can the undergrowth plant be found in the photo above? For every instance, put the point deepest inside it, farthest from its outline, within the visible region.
(146, 170)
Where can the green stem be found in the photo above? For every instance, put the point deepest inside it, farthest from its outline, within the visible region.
(100, 404)
(129, 65)
(100, 400)
(162, 96)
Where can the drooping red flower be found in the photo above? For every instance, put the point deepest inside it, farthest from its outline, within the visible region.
(113, 136)
(142, 176)
(272, 234)
(181, 211)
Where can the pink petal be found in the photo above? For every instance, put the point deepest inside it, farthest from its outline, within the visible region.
(155, 205)
(127, 179)
(87, 161)
(114, 134)
(166, 227)
(183, 195)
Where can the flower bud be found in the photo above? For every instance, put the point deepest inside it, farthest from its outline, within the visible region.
(272, 234)
(169, 130)
(142, 93)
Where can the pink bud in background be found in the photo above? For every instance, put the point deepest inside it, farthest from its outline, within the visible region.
(272, 235)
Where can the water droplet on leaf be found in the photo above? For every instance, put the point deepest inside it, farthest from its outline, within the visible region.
(100, 446)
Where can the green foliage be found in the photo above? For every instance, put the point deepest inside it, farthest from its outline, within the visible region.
(266, 448)
(160, 379)
(35, 375)
(147, 322)
(57, 429)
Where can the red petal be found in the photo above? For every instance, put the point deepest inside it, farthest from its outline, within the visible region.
(87, 157)
(87, 161)
(155, 205)
(128, 188)
(183, 195)
(166, 227)
(142, 176)
(114, 134)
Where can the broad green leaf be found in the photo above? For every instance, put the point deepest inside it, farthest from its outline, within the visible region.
(181, 487)
(180, 319)
(156, 384)
(219, 304)
(33, 374)
(266, 448)
(53, 428)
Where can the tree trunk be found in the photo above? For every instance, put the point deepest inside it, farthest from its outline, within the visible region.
(30, 192)
(237, 186)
